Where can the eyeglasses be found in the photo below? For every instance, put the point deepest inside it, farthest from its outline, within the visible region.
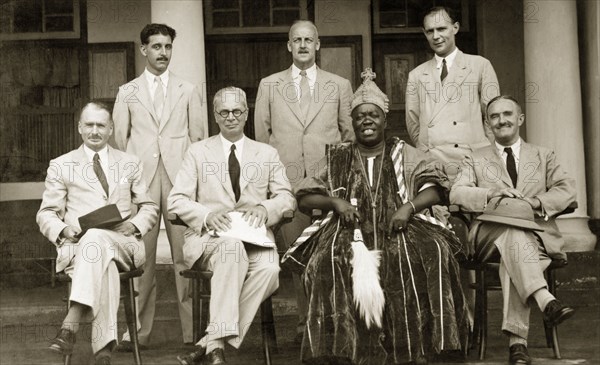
(236, 113)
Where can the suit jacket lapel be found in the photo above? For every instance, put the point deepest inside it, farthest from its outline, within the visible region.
(527, 160)
(215, 154)
(432, 84)
(143, 95)
(174, 93)
(323, 89)
(287, 90)
(456, 77)
(248, 157)
(115, 168)
(493, 160)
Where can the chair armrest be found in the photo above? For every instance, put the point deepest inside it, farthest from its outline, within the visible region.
(288, 215)
(175, 220)
(570, 209)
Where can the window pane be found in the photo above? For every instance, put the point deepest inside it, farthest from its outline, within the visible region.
(285, 3)
(390, 5)
(226, 19)
(225, 4)
(285, 17)
(59, 23)
(396, 19)
(59, 7)
(256, 13)
(28, 16)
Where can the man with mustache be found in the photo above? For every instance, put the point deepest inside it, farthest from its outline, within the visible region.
(510, 167)
(157, 116)
(299, 111)
(79, 182)
(446, 96)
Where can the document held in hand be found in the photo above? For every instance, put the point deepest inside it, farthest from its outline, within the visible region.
(243, 231)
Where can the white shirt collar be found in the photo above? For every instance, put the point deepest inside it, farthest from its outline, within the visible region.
(311, 73)
(515, 147)
(239, 146)
(164, 77)
(103, 154)
(449, 59)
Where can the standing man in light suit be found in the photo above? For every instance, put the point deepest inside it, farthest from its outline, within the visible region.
(446, 96)
(299, 111)
(79, 182)
(157, 116)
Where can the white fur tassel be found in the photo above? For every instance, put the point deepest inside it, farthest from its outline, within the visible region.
(368, 294)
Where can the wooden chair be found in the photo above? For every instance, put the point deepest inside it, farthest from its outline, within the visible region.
(129, 304)
(486, 279)
(200, 282)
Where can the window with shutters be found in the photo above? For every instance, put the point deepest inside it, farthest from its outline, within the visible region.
(39, 19)
(406, 16)
(252, 16)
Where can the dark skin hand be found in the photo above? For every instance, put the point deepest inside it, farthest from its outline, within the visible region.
(348, 213)
(423, 200)
(316, 201)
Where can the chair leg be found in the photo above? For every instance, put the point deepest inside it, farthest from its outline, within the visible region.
(67, 358)
(482, 313)
(552, 331)
(268, 323)
(267, 330)
(196, 310)
(476, 338)
(130, 317)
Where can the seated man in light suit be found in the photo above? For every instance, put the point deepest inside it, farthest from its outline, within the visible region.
(512, 168)
(225, 173)
(79, 182)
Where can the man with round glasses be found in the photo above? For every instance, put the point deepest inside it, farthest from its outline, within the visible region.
(224, 173)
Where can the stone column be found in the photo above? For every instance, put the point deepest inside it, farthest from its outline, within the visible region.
(589, 31)
(188, 59)
(553, 100)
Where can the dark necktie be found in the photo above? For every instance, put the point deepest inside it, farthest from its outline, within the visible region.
(304, 94)
(444, 70)
(511, 166)
(100, 173)
(234, 173)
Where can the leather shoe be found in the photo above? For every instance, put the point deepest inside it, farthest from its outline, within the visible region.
(519, 355)
(193, 357)
(215, 357)
(103, 360)
(127, 346)
(555, 313)
(63, 342)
